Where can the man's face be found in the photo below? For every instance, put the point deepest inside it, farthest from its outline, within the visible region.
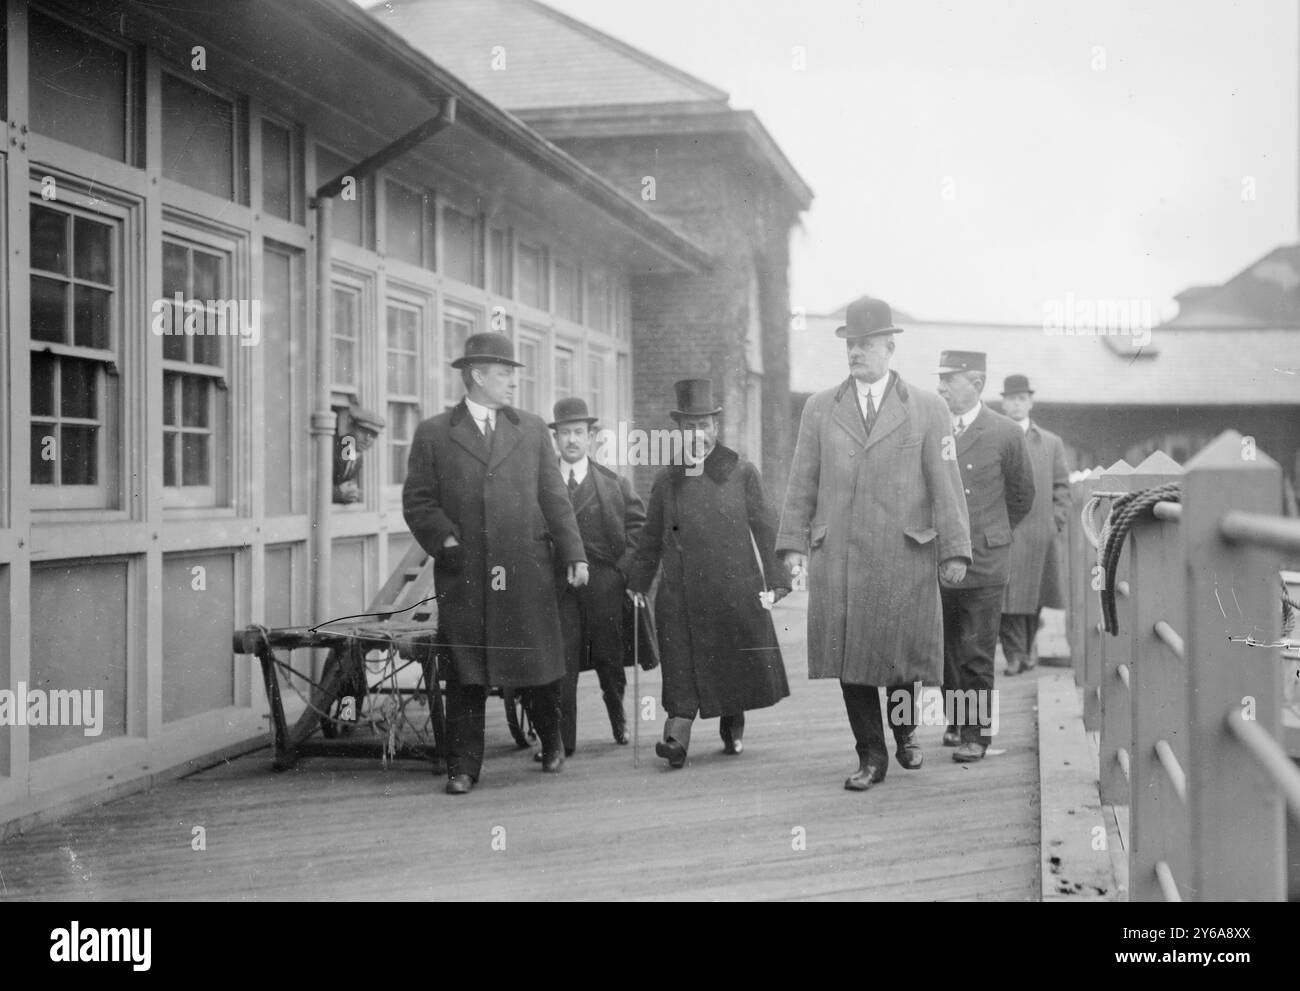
(869, 356)
(960, 390)
(1017, 405)
(574, 440)
(700, 434)
(496, 385)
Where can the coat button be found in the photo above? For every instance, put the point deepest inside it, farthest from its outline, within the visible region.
(968, 491)
(970, 467)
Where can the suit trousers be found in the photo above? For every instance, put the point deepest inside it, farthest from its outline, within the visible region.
(1017, 632)
(466, 709)
(591, 619)
(970, 638)
(863, 705)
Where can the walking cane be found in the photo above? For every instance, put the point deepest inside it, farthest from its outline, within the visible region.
(636, 679)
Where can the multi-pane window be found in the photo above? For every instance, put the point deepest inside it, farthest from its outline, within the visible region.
(198, 138)
(563, 372)
(279, 171)
(403, 379)
(408, 224)
(462, 247)
(352, 213)
(80, 88)
(502, 264)
(457, 325)
(568, 291)
(530, 354)
(533, 277)
(75, 290)
(194, 367)
(598, 291)
(346, 338)
(596, 383)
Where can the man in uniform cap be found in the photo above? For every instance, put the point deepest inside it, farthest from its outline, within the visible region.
(873, 515)
(484, 497)
(1035, 569)
(999, 486)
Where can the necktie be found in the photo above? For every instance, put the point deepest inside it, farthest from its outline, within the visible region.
(487, 431)
(573, 482)
(870, 415)
(957, 428)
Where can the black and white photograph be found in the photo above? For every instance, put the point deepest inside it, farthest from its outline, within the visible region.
(478, 451)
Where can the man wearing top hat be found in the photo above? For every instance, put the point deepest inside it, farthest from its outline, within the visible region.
(1035, 580)
(610, 516)
(484, 497)
(874, 514)
(717, 645)
(998, 482)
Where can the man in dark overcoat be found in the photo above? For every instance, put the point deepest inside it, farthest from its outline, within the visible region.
(610, 517)
(1035, 577)
(484, 497)
(999, 488)
(717, 645)
(873, 513)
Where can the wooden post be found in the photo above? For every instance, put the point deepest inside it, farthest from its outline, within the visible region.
(1158, 692)
(1112, 694)
(1236, 815)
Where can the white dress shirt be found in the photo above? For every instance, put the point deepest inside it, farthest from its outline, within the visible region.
(480, 414)
(967, 418)
(1024, 424)
(578, 469)
(877, 391)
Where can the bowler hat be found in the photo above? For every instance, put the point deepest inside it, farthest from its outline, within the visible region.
(1016, 383)
(961, 361)
(695, 398)
(488, 347)
(867, 317)
(571, 410)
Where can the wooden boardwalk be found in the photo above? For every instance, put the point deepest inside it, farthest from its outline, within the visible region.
(774, 823)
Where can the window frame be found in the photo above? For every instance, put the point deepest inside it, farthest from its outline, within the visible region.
(240, 164)
(466, 312)
(421, 305)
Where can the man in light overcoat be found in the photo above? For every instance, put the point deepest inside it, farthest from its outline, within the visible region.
(873, 513)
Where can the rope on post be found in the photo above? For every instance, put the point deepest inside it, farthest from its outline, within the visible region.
(1127, 509)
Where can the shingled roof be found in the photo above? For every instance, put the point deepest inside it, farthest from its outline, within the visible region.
(1265, 294)
(551, 60)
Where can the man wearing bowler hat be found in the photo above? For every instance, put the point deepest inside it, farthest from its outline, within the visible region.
(484, 497)
(610, 516)
(717, 644)
(1035, 580)
(998, 483)
(873, 515)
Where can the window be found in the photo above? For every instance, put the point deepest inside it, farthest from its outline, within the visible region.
(499, 245)
(568, 291)
(195, 407)
(533, 276)
(280, 184)
(624, 366)
(462, 250)
(598, 292)
(408, 224)
(351, 216)
(75, 300)
(458, 324)
(563, 372)
(346, 336)
(403, 386)
(80, 88)
(198, 138)
(596, 383)
(530, 350)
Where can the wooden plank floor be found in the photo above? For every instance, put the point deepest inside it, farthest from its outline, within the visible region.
(722, 828)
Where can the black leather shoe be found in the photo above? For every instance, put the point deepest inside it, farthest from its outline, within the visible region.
(909, 752)
(553, 763)
(459, 784)
(952, 737)
(617, 718)
(969, 753)
(671, 751)
(620, 734)
(1013, 666)
(864, 777)
(537, 754)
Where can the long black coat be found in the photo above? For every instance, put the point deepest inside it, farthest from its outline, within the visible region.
(511, 513)
(717, 644)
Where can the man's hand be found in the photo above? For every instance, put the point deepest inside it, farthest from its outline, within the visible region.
(578, 574)
(637, 598)
(953, 570)
(452, 558)
(779, 593)
(798, 565)
(451, 541)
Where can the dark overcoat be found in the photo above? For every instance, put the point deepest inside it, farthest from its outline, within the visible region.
(1035, 545)
(876, 515)
(717, 644)
(509, 509)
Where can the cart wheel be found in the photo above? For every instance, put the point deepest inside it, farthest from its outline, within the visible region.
(517, 718)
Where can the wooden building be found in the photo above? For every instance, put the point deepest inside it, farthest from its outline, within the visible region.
(158, 490)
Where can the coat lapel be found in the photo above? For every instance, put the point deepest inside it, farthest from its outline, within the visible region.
(969, 435)
(504, 439)
(465, 432)
(892, 412)
(848, 414)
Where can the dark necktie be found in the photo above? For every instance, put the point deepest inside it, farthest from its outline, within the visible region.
(487, 431)
(573, 482)
(870, 415)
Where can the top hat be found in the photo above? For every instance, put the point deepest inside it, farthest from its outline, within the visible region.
(1016, 383)
(961, 361)
(571, 410)
(488, 347)
(867, 317)
(695, 398)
